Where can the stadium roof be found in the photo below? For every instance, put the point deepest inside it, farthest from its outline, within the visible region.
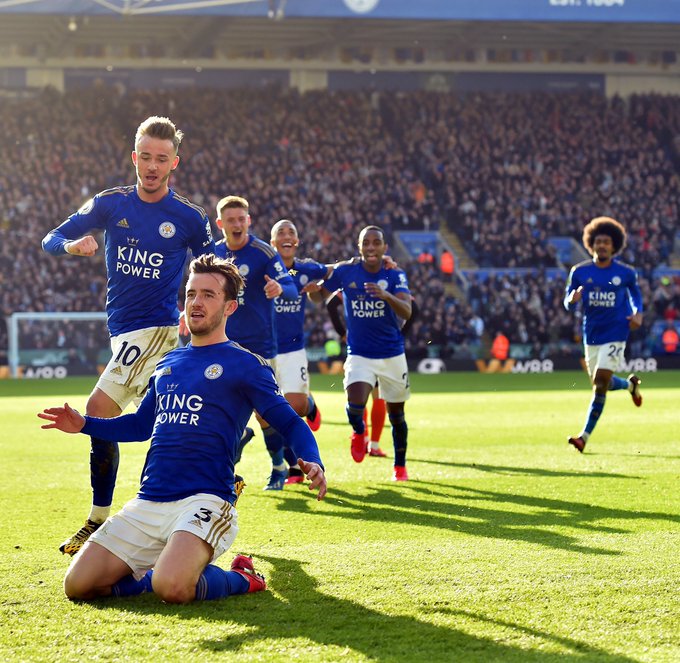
(194, 25)
(512, 10)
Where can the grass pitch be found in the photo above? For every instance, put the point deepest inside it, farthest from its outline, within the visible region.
(505, 545)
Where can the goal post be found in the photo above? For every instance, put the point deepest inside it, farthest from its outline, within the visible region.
(97, 336)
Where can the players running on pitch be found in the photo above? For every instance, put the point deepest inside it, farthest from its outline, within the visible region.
(292, 370)
(612, 307)
(254, 323)
(374, 300)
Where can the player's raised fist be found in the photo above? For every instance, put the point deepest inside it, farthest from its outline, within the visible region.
(272, 288)
(85, 246)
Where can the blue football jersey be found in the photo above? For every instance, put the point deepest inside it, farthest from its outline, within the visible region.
(197, 405)
(145, 248)
(290, 315)
(373, 328)
(253, 325)
(610, 295)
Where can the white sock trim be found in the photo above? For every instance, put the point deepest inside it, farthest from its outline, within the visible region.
(98, 514)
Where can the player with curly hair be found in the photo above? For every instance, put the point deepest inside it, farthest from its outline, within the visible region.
(612, 307)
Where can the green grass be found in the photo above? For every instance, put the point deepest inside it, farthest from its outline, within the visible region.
(505, 545)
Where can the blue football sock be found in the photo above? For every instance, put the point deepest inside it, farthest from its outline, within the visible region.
(311, 408)
(104, 458)
(355, 415)
(128, 586)
(617, 383)
(290, 456)
(216, 583)
(594, 412)
(274, 442)
(399, 437)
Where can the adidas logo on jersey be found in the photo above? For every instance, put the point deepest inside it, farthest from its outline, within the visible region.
(117, 371)
(196, 522)
(352, 285)
(123, 223)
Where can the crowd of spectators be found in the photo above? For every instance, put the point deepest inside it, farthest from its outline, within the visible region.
(504, 171)
(509, 170)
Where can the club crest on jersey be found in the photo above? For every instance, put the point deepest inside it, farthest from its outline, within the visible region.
(243, 270)
(213, 371)
(383, 284)
(304, 279)
(616, 280)
(167, 229)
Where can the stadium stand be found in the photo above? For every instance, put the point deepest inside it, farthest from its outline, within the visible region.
(506, 172)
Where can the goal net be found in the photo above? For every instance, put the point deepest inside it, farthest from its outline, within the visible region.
(49, 345)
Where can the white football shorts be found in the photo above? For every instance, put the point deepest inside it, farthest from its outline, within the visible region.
(608, 357)
(391, 374)
(291, 372)
(134, 358)
(138, 533)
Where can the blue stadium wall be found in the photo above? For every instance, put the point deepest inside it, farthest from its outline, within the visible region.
(16, 78)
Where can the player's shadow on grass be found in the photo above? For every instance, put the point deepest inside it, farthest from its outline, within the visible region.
(523, 471)
(633, 455)
(338, 422)
(484, 513)
(301, 611)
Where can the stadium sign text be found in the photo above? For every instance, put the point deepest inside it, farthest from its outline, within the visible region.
(533, 366)
(45, 372)
(640, 365)
(431, 366)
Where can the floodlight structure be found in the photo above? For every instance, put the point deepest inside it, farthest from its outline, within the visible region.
(123, 7)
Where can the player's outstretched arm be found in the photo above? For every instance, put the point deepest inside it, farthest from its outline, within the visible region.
(133, 427)
(57, 243)
(65, 419)
(316, 476)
